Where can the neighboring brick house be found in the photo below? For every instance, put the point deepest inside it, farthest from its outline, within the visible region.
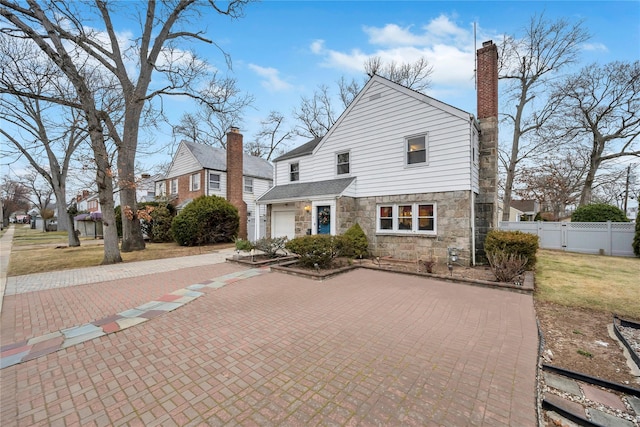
(417, 174)
(199, 169)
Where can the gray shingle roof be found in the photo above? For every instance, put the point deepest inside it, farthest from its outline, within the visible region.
(303, 150)
(307, 189)
(216, 158)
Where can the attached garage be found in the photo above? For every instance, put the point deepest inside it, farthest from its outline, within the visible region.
(283, 223)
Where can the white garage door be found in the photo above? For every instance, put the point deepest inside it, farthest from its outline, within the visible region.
(284, 224)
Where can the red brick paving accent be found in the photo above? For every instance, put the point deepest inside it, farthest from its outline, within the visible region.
(363, 348)
(601, 396)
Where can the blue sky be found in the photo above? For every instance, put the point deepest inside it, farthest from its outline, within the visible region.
(282, 50)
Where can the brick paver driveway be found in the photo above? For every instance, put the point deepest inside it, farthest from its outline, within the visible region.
(364, 348)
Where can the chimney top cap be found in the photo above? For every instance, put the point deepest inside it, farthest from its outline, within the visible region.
(487, 43)
(234, 129)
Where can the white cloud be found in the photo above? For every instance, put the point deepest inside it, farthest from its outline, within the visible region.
(595, 47)
(447, 46)
(272, 82)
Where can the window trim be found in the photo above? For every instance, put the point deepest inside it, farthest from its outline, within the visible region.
(219, 183)
(415, 218)
(297, 172)
(246, 188)
(406, 150)
(174, 183)
(348, 163)
(194, 179)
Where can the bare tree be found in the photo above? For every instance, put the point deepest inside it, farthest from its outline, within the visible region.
(555, 181)
(271, 139)
(41, 196)
(414, 75)
(223, 109)
(38, 132)
(527, 64)
(601, 103)
(57, 29)
(14, 196)
(316, 114)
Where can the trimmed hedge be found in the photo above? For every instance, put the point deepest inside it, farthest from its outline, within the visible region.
(513, 242)
(207, 219)
(353, 243)
(598, 212)
(319, 249)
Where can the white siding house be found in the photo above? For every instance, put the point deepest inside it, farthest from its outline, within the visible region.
(402, 165)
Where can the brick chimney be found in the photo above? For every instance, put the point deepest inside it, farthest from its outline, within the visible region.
(235, 182)
(487, 80)
(486, 207)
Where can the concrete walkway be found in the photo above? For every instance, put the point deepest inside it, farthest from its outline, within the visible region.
(6, 242)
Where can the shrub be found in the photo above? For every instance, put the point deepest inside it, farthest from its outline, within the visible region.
(636, 238)
(353, 243)
(506, 266)
(161, 219)
(512, 242)
(207, 219)
(598, 212)
(243, 245)
(315, 250)
(270, 245)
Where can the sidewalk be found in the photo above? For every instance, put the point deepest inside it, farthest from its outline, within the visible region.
(5, 252)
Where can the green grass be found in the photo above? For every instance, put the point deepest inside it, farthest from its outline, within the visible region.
(36, 252)
(596, 282)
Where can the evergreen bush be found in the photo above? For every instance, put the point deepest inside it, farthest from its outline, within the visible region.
(353, 243)
(598, 212)
(318, 250)
(207, 219)
(512, 242)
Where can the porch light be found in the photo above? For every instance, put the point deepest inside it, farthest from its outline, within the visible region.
(307, 208)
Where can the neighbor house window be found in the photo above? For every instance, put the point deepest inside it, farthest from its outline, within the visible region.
(294, 172)
(248, 185)
(214, 181)
(160, 188)
(343, 163)
(416, 150)
(174, 186)
(194, 183)
(407, 218)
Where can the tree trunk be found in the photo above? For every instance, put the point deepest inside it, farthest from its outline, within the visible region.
(74, 240)
(132, 239)
(594, 163)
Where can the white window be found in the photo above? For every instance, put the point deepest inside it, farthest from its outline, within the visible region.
(294, 172)
(416, 147)
(214, 181)
(248, 185)
(174, 186)
(406, 218)
(194, 182)
(342, 160)
(160, 189)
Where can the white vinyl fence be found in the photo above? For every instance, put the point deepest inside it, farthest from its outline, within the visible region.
(609, 238)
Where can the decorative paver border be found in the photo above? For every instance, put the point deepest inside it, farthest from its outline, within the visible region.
(12, 354)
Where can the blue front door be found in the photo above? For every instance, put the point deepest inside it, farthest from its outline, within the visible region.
(324, 219)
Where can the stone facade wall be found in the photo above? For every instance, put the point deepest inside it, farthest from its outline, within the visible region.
(487, 200)
(453, 227)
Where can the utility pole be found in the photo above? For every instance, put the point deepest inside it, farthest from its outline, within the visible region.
(626, 190)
